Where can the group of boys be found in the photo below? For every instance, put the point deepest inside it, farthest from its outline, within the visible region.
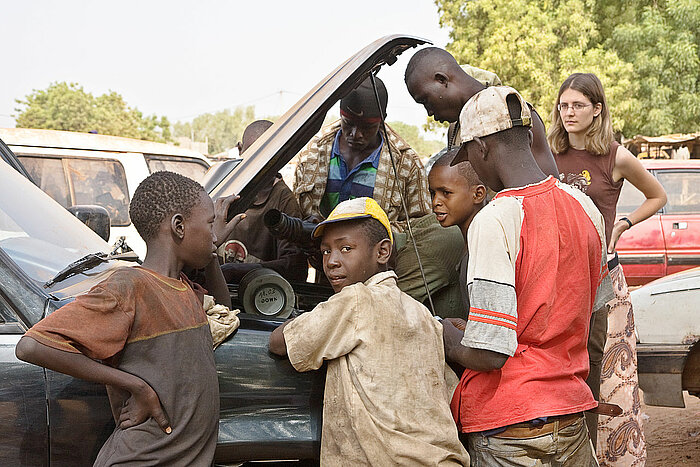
(533, 271)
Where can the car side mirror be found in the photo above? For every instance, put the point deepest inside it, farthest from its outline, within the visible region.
(95, 217)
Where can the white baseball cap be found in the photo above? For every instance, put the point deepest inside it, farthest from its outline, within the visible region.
(487, 113)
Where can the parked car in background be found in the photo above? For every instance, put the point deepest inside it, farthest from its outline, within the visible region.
(88, 169)
(47, 257)
(668, 241)
(667, 320)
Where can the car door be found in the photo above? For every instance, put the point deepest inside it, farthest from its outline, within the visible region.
(641, 249)
(268, 409)
(680, 220)
(23, 424)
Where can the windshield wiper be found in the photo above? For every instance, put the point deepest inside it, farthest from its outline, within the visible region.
(88, 262)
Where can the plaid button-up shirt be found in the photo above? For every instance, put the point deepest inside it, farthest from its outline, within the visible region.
(311, 177)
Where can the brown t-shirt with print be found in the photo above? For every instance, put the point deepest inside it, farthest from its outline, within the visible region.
(154, 327)
(592, 174)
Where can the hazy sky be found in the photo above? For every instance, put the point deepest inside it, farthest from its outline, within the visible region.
(181, 59)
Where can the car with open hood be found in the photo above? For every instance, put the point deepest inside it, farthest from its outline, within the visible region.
(48, 257)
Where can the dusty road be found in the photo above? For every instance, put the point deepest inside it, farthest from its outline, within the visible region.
(673, 435)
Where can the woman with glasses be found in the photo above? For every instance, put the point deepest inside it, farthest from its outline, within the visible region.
(589, 158)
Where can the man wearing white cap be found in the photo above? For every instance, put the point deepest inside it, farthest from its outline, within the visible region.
(537, 269)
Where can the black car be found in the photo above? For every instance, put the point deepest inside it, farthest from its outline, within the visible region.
(48, 257)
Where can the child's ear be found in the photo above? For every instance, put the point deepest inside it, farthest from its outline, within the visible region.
(177, 226)
(479, 194)
(384, 251)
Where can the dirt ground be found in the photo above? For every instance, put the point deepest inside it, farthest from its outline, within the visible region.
(673, 435)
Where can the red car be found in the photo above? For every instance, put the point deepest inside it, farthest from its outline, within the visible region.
(668, 241)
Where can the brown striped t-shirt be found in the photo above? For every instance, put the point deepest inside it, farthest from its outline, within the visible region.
(154, 327)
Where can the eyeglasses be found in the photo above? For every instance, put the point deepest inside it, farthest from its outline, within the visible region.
(577, 106)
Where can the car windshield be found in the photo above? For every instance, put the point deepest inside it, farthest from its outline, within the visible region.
(38, 234)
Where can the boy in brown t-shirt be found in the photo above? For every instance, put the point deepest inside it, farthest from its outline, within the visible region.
(144, 334)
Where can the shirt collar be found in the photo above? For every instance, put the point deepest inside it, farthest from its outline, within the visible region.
(381, 277)
(372, 158)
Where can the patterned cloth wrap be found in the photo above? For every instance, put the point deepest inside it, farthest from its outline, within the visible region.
(621, 439)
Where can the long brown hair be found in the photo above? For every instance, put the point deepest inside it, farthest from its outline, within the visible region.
(599, 135)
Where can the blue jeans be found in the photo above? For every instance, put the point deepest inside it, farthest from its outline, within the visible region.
(567, 447)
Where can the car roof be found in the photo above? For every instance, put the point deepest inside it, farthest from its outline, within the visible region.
(87, 141)
(671, 163)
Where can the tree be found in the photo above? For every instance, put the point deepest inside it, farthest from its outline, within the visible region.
(644, 51)
(222, 129)
(663, 44)
(411, 134)
(67, 106)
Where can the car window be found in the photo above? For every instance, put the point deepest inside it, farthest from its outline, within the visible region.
(192, 169)
(630, 199)
(683, 191)
(49, 175)
(7, 315)
(101, 182)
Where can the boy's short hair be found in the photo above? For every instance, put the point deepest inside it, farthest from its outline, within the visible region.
(374, 230)
(159, 196)
(465, 168)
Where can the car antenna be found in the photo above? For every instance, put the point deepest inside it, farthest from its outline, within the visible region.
(403, 200)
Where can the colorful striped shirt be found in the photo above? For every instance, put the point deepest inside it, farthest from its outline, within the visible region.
(342, 184)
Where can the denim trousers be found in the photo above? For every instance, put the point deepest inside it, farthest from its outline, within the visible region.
(567, 447)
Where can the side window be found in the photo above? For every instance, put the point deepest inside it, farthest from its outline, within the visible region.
(102, 182)
(630, 199)
(682, 191)
(48, 173)
(189, 168)
(9, 323)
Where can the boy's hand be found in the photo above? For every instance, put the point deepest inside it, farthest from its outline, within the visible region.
(223, 229)
(452, 336)
(459, 323)
(142, 405)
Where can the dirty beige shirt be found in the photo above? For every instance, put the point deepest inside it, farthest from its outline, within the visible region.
(386, 401)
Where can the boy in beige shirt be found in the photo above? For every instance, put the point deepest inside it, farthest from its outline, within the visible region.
(386, 399)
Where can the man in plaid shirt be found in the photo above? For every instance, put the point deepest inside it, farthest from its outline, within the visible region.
(350, 159)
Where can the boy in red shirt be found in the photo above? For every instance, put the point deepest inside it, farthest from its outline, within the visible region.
(144, 334)
(537, 269)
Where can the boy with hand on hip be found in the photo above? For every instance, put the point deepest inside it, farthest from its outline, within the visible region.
(144, 334)
(386, 399)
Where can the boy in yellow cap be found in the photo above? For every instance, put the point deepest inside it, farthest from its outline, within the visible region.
(386, 400)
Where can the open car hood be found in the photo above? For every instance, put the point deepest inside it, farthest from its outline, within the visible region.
(295, 128)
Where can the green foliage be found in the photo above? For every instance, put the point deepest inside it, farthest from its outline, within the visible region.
(222, 129)
(411, 134)
(66, 106)
(644, 52)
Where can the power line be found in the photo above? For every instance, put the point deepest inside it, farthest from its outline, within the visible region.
(248, 102)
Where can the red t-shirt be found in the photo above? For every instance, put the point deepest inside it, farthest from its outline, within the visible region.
(537, 269)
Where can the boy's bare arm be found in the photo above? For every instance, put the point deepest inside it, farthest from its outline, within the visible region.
(277, 344)
(475, 359)
(216, 283)
(143, 403)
